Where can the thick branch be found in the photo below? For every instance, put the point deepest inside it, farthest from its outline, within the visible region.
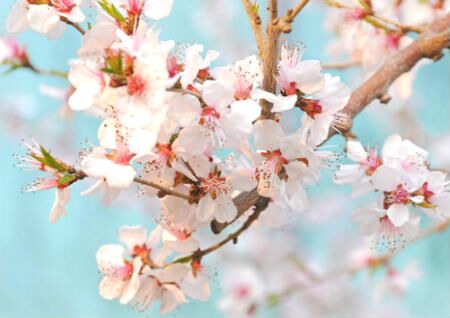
(429, 44)
(270, 57)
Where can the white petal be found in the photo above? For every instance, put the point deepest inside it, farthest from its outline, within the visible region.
(132, 287)
(247, 108)
(58, 210)
(196, 287)
(226, 211)
(268, 135)
(217, 95)
(120, 176)
(171, 297)
(157, 9)
(141, 142)
(111, 287)
(186, 246)
(206, 208)
(109, 256)
(355, 151)
(173, 273)
(386, 178)
(391, 147)
(398, 214)
(42, 18)
(107, 133)
(132, 236)
(17, 20)
(184, 109)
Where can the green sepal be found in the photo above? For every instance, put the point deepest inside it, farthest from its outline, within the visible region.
(66, 179)
(111, 9)
(48, 160)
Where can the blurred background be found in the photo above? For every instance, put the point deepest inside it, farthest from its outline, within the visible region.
(50, 270)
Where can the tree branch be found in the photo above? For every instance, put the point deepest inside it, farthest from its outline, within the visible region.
(285, 22)
(429, 44)
(255, 22)
(76, 26)
(269, 57)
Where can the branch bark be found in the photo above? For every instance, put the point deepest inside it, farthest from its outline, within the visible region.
(255, 23)
(429, 44)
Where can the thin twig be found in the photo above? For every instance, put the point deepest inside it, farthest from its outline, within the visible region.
(184, 91)
(76, 26)
(55, 73)
(251, 9)
(285, 23)
(163, 189)
(197, 255)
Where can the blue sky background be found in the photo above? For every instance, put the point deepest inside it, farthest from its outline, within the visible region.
(50, 271)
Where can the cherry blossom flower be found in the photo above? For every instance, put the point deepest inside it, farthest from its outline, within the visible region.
(321, 109)
(61, 177)
(285, 154)
(296, 76)
(244, 290)
(216, 201)
(359, 174)
(11, 52)
(435, 195)
(218, 125)
(397, 281)
(196, 66)
(44, 16)
(375, 223)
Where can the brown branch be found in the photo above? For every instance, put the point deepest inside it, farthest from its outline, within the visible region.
(270, 57)
(260, 206)
(386, 258)
(429, 44)
(80, 175)
(163, 189)
(285, 23)
(251, 9)
(76, 26)
(60, 74)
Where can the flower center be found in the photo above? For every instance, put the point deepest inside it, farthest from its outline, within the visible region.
(311, 107)
(372, 162)
(63, 6)
(173, 67)
(241, 291)
(124, 272)
(136, 85)
(121, 155)
(135, 7)
(398, 196)
(214, 185)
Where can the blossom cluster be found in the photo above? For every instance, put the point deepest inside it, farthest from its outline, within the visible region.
(404, 180)
(191, 131)
(196, 136)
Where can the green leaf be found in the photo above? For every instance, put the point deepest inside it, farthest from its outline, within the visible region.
(66, 179)
(183, 260)
(112, 10)
(50, 161)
